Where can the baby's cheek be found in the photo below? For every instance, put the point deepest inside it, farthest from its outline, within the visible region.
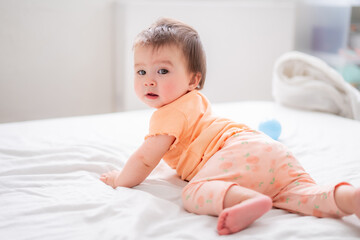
(138, 87)
(169, 86)
(170, 90)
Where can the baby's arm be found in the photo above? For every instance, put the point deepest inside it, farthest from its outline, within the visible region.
(141, 162)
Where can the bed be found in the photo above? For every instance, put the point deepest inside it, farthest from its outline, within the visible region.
(50, 187)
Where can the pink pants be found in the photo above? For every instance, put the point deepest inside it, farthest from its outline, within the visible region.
(255, 161)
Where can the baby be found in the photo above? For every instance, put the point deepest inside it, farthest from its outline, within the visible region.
(234, 172)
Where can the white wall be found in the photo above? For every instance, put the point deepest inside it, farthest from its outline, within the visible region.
(242, 39)
(73, 57)
(56, 58)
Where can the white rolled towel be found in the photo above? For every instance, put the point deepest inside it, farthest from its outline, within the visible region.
(304, 81)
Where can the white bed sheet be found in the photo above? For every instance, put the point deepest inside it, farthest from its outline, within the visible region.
(49, 170)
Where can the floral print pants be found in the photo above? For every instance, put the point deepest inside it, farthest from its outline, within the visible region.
(255, 161)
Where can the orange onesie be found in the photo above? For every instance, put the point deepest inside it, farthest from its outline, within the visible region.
(215, 153)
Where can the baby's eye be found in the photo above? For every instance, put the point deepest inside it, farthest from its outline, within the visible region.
(141, 72)
(163, 71)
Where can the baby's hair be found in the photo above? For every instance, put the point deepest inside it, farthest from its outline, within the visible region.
(167, 31)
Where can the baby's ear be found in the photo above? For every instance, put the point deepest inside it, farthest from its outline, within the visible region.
(195, 79)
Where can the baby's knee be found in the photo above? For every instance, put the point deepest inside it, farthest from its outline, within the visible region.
(192, 202)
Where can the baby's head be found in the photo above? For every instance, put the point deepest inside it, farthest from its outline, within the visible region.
(169, 32)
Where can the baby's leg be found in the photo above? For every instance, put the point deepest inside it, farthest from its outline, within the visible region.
(305, 197)
(232, 182)
(236, 206)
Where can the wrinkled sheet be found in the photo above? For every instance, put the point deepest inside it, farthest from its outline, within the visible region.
(49, 186)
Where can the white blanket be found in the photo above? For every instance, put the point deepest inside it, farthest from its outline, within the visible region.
(50, 187)
(304, 81)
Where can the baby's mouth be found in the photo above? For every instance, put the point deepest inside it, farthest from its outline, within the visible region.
(151, 95)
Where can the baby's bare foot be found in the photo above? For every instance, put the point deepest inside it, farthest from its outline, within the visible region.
(357, 202)
(109, 178)
(347, 198)
(240, 216)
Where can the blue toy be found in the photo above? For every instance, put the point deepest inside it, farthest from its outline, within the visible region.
(272, 128)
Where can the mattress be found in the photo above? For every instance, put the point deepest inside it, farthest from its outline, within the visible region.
(50, 187)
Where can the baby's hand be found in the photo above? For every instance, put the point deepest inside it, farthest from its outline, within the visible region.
(110, 178)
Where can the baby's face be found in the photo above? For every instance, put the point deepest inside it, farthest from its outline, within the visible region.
(161, 75)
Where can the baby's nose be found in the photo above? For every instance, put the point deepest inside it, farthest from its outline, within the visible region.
(150, 83)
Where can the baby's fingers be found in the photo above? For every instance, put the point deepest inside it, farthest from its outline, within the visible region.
(104, 178)
(109, 178)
